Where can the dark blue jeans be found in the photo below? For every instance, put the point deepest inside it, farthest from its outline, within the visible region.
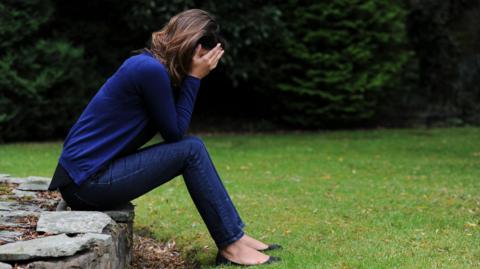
(131, 176)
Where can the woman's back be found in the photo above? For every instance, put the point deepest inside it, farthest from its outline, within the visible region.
(137, 94)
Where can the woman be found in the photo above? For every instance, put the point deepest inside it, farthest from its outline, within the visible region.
(101, 165)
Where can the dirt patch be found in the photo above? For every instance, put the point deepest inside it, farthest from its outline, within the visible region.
(149, 253)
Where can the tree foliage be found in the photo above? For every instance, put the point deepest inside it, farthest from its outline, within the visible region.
(302, 63)
(342, 55)
(42, 80)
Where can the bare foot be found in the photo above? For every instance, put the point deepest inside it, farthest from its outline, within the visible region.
(253, 243)
(241, 253)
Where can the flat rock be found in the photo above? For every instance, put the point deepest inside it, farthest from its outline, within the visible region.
(5, 178)
(16, 218)
(37, 178)
(21, 194)
(5, 197)
(84, 259)
(15, 206)
(9, 236)
(51, 203)
(19, 213)
(123, 213)
(57, 222)
(34, 185)
(52, 246)
(10, 180)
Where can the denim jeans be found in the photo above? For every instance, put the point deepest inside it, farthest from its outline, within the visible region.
(128, 177)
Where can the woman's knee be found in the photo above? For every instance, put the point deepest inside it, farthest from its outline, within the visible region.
(195, 142)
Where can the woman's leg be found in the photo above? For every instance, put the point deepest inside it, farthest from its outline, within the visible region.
(131, 176)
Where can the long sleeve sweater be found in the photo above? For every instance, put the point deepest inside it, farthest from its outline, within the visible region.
(135, 102)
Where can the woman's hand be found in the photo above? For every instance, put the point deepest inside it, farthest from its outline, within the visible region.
(203, 63)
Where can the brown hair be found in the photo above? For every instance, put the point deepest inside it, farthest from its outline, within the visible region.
(175, 43)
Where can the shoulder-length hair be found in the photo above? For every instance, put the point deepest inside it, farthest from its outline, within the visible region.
(175, 43)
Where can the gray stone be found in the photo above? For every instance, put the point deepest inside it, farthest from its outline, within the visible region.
(73, 222)
(52, 246)
(49, 203)
(36, 178)
(89, 259)
(9, 236)
(34, 185)
(5, 265)
(62, 206)
(14, 218)
(18, 214)
(4, 178)
(21, 194)
(11, 180)
(12, 206)
(120, 216)
(123, 245)
(123, 213)
(112, 250)
(5, 197)
(119, 255)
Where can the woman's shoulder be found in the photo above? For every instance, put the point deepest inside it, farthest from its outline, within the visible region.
(145, 63)
(146, 59)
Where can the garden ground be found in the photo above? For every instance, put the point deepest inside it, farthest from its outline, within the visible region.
(345, 199)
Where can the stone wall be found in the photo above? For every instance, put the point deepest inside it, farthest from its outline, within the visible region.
(38, 230)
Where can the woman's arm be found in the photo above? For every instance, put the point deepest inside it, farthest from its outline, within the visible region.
(171, 119)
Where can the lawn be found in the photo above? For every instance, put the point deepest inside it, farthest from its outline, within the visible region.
(345, 199)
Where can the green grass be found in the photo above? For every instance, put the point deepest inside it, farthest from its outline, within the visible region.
(347, 199)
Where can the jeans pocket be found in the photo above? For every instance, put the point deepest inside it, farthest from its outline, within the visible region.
(119, 177)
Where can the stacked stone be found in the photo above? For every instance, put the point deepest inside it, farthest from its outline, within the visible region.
(38, 230)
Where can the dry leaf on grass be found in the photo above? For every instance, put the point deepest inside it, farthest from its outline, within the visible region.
(149, 253)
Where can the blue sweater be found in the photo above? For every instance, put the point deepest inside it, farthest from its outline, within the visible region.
(136, 96)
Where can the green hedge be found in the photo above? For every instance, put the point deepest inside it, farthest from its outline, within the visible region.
(42, 80)
(309, 64)
(341, 56)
